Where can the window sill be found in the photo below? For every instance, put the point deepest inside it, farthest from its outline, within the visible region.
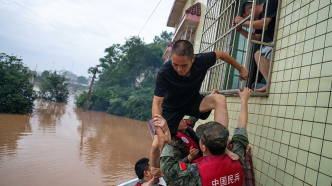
(233, 92)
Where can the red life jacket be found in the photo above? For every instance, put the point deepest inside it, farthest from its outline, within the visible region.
(219, 170)
(188, 141)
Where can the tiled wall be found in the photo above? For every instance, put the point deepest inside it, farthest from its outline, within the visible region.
(291, 130)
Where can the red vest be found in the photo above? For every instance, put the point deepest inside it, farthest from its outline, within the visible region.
(219, 170)
(139, 184)
(188, 142)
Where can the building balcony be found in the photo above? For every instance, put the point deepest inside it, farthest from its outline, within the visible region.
(191, 17)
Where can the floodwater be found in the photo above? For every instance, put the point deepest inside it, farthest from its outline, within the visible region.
(58, 144)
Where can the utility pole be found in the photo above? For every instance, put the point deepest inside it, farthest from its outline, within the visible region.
(88, 96)
(34, 75)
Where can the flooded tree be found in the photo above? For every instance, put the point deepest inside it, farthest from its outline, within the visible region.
(53, 87)
(16, 90)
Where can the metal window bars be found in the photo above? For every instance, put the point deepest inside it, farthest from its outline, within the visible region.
(188, 34)
(219, 34)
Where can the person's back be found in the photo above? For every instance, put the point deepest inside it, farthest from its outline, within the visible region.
(219, 169)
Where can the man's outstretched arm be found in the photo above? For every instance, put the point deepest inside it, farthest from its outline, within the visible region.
(258, 24)
(230, 60)
(240, 137)
(156, 105)
(243, 118)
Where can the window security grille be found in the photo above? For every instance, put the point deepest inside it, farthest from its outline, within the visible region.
(188, 34)
(219, 34)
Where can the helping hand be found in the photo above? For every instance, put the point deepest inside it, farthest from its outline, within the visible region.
(231, 154)
(244, 73)
(164, 136)
(193, 152)
(239, 28)
(238, 19)
(245, 94)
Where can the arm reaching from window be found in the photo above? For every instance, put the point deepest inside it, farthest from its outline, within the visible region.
(245, 33)
(258, 24)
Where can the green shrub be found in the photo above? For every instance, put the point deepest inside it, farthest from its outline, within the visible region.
(16, 90)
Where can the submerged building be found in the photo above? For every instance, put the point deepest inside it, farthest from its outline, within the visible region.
(289, 125)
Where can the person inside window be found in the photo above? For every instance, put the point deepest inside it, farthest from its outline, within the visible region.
(270, 19)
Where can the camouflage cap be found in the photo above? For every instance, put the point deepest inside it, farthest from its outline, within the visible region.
(213, 133)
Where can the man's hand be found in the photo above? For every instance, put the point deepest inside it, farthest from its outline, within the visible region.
(239, 28)
(243, 73)
(232, 155)
(248, 149)
(238, 19)
(193, 152)
(215, 91)
(245, 94)
(156, 172)
(164, 136)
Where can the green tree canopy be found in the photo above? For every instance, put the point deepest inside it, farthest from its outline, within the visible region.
(82, 80)
(45, 73)
(16, 91)
(128, 91)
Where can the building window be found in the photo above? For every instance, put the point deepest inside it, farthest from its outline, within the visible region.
(219, 34)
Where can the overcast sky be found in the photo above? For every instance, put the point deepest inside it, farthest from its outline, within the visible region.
(63, 31)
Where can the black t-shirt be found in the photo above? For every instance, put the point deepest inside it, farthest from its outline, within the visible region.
(179, 91)
(272, 13)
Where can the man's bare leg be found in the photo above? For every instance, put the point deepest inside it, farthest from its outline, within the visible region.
(263, 68)
(217, 102)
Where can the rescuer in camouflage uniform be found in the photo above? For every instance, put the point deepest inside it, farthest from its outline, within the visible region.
(213, 134)
(179, 148)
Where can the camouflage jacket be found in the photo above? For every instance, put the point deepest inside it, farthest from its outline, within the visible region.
(173, 175)
(179, 148)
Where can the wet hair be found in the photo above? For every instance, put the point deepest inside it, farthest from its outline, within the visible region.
(213, 149)
(183, 48)
(141, 166)
(245, 8)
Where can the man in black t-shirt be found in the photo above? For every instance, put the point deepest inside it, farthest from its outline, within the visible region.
(177, 88)
(271, 13)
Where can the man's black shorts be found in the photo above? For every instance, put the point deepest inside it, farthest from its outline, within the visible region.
(174, 116)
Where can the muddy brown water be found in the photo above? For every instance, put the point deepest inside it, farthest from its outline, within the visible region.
(58, 144)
